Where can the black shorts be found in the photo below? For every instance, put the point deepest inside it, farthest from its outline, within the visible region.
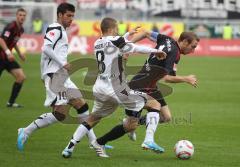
(155, 93)
(8, 65)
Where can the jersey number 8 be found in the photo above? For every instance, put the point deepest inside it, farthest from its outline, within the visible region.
(100, 59)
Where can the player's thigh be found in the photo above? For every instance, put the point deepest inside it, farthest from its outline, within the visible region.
(132, 100)
(152, 104)
(157, 95)
(63, 109)
(16, 71)
(54, 97)
(73, 93)
(2, 66)
(102, 109)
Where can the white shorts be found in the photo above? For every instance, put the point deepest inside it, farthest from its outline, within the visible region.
(70, 91)
(108, 98)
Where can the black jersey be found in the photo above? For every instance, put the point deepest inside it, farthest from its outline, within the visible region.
(10, 34)
(155, 69)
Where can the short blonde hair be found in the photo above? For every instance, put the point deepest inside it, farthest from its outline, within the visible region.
(189, 36)
(108, 23)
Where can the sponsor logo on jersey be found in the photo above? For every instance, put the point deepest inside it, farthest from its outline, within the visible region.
(168, 44)
(51, 33)
(7, 34)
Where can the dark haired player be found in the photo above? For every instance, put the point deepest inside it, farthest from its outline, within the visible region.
(53, 59)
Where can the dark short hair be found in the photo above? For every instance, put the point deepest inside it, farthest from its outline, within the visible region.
(107, 23)
(64, 7)
(21, 10)
(189, 36)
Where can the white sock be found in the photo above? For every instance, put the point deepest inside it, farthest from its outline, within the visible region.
(151, 123)
(77, 136)
(90, 134)
(41, 122)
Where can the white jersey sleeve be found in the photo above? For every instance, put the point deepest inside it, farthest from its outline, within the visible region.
(53, 34)
(133, 48)
(129, 47)
(54, 49)
(48, 50)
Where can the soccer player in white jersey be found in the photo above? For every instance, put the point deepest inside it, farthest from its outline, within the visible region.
(111, 89)
(53, 59)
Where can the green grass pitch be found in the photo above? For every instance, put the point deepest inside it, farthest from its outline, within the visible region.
(208, 116)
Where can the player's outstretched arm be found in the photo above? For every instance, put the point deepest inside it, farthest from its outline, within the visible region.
(190, 79)
(141, 35)
(133, 48)
(131, 32)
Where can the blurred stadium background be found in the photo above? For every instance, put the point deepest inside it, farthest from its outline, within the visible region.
(213, 20)
(208, 116)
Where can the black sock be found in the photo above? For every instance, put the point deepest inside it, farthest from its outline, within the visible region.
(117, 132)
(15, 90)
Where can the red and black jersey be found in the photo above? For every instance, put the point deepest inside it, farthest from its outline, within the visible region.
(10, 34)
(155, 69)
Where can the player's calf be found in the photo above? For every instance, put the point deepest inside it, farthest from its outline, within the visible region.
(59, 116)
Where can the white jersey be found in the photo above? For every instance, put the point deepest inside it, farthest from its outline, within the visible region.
(108, 51)
(56, 37)
(110, 88)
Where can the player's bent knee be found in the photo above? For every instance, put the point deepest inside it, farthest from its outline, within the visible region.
(166, 115)
(93, 123)
(130, 124)
(167, 118)
(130, 128)
(156, 105)
(59, 116)
(24, 77)
(93, 119)
(21, 78)
(153, 104)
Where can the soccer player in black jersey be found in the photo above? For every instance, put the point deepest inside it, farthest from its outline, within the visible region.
(8, 40)
(155, 69)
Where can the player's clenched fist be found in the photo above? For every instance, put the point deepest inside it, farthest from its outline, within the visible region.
(192, 80)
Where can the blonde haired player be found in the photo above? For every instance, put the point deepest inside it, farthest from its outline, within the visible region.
(111, 89)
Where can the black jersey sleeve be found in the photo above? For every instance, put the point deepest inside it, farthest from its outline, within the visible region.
(119, 42)
(161, 38)
(7, 31)
(171, 49)
(170, 60)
